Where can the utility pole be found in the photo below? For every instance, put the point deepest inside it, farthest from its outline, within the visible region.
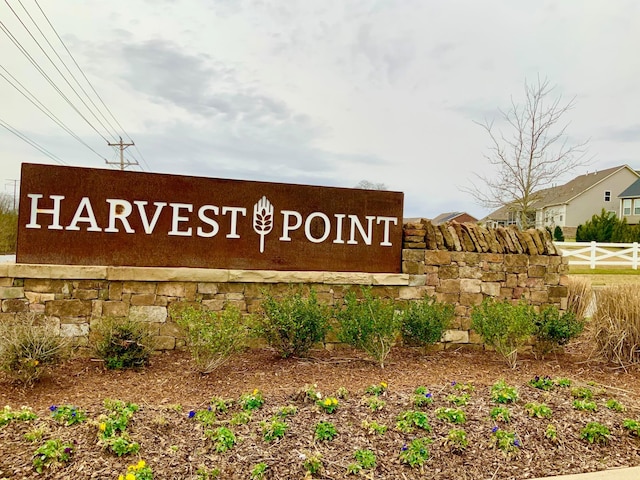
(15, 189)
(123, 163)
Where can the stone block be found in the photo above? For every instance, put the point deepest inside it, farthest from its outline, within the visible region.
(551, 279)
(539, 296)
(6, 282)
(452, 298)
(491, 289)
(559, 291)
(186, 290)
(493, 276)
(239, 304)
(437, 257)
(139, 287)
(465, 323)
(207, 288)
(115, 291)
(148, 314)
(215, 304)
(413, 268)
(234, 296)
(74, 329)
(44, 285)
(11, 292)
(68, 308)
(143, 299)
(539, 260)
(449, 286)
(345, 278)
(161, 301)
(475, 338)
(470, 299)
(470, 285)
(414, 245)
(414, 293)
(85, 294)
(535, 271)
(413, 239)
(36, 308)
(233, 287)
(170, 329)
(515, 260)
(564, 280)
(164, 342)
(115, 309)
(96, 308)
(493, 257)
(470, 258)
(511, 280)
(417, 280)
(15, 305)
(432, 279)
(390, 279)
(468, 271)
(455, 336)
(536, 283)
(449, 271)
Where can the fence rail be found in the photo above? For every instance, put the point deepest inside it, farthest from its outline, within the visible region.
(597, 254)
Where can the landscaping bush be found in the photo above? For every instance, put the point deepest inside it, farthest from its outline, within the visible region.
(616, 324)
(212, 337)
(293, 324)
(28, 346)
(371, 324)
(121, 342)
(504, 326)
(581, 300)
(558, 236)
(554, 329)
(424, 322)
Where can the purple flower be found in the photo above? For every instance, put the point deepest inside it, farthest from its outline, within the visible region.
(428, 395)
(404, 447)
(192, 413)
(494, 429)
(67, 450)
(517, 443)
(209, 408)
(53, 408)
(453, 384)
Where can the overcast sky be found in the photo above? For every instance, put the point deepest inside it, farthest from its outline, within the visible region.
(322, 92)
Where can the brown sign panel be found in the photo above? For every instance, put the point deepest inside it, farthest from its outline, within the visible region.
(81, 216)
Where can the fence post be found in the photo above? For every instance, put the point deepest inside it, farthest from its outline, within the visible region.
(592, 255)
(634, 262)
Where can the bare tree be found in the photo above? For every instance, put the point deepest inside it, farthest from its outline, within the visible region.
(367, 185)
(529, 155)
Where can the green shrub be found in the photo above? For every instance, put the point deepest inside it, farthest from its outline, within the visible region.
(122, 342)
(212, 337)
(554, 329)
(28, 346)
(293, 324)
(8, 225)
(504, 326)
(52, 453)
(424, 322)
(558, 235)
(371, 324)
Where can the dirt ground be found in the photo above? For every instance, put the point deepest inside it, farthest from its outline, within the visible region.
(175, 447)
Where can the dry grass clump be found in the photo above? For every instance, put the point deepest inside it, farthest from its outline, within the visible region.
(580, 300)
(616, 324)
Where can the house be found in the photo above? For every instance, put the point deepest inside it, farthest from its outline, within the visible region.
(630, 203)
(459, 217)
(575, 202)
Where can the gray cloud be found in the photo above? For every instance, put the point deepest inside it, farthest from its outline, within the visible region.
(624, 134)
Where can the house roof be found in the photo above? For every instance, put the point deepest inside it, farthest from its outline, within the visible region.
(563, 194)
(631, 191)
(447, 217)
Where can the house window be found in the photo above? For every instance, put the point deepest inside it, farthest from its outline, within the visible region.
(626, 206)
(607, 196)
(636, 206)
(560, 217)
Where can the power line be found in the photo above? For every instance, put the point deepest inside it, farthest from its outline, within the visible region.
(33, 143)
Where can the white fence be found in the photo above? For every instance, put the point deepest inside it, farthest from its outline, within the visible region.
(600, 254)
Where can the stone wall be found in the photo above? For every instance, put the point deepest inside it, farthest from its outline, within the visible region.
(458, 264)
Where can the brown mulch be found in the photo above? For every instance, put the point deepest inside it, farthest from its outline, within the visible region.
(175, 446)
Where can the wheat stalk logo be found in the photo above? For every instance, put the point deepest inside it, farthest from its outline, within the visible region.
(262, 219)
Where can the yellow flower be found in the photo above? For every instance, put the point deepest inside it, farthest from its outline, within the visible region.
(334, 401)
(141, 465)
(383, 384)
(102, 427)
(35, 363)
(120, 477)
(327, 402)
(255, 391)
(130, 476)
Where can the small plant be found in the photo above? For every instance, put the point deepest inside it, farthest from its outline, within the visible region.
(287, 411)
(451, 415)
(538, 410)
(554, 329)
(259, 471)
(53, 453)
(586, 405)
(563, 382)
(204, 473)
(365, 460)
(34, 435)
(633, 426)
(139, 471)
(416, 453)
(377, 390)
(112, 427)
(329, 404)
(206, 417)
(585, 393)
(273, 429)
(122, 342)
(219, 404)
(424, 322)
(325, 431)
(463, 387)
(293, 324)
(500, 414)
(311, 393)
(503, 393)
(409, 419)
(312, 464)
(374, 427)
(212, 337)
(67, 414)
(543, 383)
(615, 405)
(504, 326)
(422, 397)
(7, 415)
(342, 393)
(223, 439)
(252, 401)
(29, 346)
(459, 400)
(505, 441)
(371, 324)
(595, 432)
(240, 418)
(122, 445)
(457, 440)
(375, 403)
(551, 433)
